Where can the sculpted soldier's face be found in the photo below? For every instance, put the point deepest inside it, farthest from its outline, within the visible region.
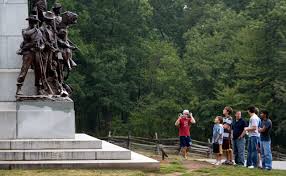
(57, 11)
(49, 22)
(70, 18)
(32, 23)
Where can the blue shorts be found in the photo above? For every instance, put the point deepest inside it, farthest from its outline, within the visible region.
(185, 141)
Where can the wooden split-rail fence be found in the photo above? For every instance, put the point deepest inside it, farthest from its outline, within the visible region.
(165, 146)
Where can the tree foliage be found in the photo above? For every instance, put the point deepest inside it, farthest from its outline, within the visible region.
(143, 61)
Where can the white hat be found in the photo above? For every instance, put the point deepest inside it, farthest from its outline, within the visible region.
(186, 112)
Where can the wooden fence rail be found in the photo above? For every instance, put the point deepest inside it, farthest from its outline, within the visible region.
(169, 145)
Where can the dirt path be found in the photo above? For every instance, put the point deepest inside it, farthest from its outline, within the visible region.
(192, 165)
(189, 165)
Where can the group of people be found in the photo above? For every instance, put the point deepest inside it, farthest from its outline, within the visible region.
(47, 49)
(229, 137)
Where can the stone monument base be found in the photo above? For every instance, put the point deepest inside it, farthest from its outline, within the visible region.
(45, 119)
(37, 119)
(81, 152)
(41, 134)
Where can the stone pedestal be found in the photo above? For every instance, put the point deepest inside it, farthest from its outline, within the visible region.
(81, 152)
(37, 120)
(8, 120)
(45, 120)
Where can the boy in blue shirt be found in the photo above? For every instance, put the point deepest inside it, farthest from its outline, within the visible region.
(217, 139)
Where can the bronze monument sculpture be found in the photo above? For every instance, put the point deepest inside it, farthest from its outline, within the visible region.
(38, 7)
(31, 50)
(38, 125)
(47, 49)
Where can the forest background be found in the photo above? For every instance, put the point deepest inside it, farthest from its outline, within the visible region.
(141, 62)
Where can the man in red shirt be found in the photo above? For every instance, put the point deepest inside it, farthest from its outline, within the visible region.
(183, 123)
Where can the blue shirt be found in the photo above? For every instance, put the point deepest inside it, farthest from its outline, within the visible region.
(217, 134)
(265, 136)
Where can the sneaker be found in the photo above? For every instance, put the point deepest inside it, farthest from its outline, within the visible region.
(250, 167)
(225, 162)
(230, 163)
(218, 163)
(267, 168)
(215, 163)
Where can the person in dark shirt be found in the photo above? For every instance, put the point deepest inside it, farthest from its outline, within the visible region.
(265, 130)
(238, 138)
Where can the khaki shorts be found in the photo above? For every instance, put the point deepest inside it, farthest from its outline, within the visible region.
(220, 149)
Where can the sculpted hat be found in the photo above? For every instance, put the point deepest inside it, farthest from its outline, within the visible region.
(49, 15)
(57, 6)
(33, 18)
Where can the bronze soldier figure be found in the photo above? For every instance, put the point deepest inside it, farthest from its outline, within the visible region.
(66, 46)
(47, 49)
(38, 8)
(52, 54)
(30, 49)
(57, 11)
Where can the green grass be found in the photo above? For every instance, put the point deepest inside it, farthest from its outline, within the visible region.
(171, 168)
(235, 171)
(50, 172)
(174, 166)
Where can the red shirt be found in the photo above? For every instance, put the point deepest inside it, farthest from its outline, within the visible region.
(184, 128)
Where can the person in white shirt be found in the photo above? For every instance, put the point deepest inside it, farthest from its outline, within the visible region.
(253, 134)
